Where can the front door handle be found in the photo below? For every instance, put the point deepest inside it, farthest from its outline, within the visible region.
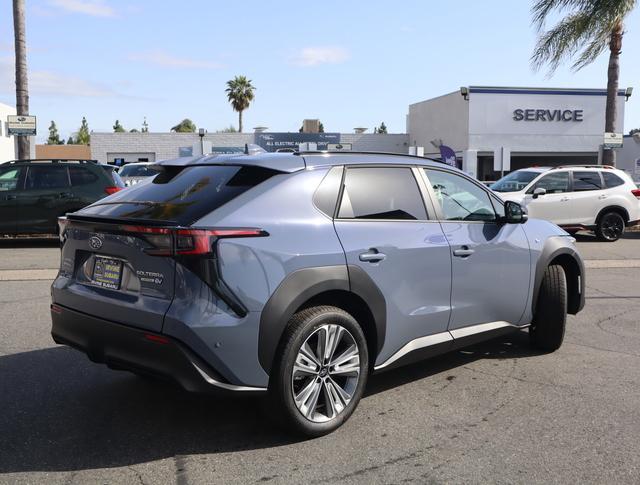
(10, 197)
(65, 195)
(372, 256)
(463, 252)
(564, 199)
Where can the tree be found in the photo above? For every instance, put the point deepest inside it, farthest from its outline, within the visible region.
(71, 141)
(54, 136)
(589, 27)
(134, 130)
(320, 127)
(22, 85)
(118, 128)
(381, 130)
(240, 94)
(634, 131)
(228, 129)
(145, 126)
(185, 126)
(83, 136)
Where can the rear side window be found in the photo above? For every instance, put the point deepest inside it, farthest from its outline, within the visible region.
(586, 181)
(81, 176)
(137, 171)
(611, 180)
(46, 177)
(381, 193)
(181, 195)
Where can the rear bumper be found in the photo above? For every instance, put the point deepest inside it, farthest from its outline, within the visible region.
(127, 348)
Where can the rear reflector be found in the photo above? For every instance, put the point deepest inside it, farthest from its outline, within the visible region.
(636, 192)
(111, 190)
(159, 339)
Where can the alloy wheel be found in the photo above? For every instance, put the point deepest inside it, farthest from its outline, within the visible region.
(325, 373)
(612, 227)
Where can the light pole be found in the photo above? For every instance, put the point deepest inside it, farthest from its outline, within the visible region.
(201, 133)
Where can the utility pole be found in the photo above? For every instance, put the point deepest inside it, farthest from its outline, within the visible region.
(22, 86)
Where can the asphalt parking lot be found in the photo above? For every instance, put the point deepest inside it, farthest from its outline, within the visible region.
(496, 412)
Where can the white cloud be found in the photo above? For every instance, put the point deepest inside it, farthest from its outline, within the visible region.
(95, 8)
(163, 59)
(50, 83)
(314, 56)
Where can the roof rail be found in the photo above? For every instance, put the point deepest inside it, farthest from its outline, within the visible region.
(360, 152)
(54, 160)
(583, 166)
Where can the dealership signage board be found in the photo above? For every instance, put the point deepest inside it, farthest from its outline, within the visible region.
(613, 140)
(274, 141)
(21, 125)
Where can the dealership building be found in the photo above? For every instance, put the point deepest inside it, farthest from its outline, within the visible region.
(492, 130)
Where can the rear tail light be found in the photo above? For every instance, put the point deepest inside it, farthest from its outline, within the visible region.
(111, 190)
(636, 192)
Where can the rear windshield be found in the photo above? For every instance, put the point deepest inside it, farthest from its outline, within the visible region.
(180, 195)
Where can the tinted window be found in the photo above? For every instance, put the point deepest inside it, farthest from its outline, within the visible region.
(180, 195)
(459, 198)
(381, 193)
(515, 181)
(47, 177)
(81, 176)
(553, 183)
(586, 181)
(9, 178)
(611, 180)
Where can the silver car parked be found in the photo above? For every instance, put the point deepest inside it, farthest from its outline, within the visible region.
(299, 274)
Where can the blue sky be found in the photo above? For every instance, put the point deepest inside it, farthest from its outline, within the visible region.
(349, 63)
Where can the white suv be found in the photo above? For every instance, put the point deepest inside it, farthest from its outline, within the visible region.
(598, 198)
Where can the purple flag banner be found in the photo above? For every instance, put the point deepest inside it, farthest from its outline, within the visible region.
(448, 155)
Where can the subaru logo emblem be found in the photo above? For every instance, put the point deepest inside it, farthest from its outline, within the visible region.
(95, 242)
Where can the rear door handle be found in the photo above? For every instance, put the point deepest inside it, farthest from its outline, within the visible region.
(372, 256)
(603, 196)
(65, 195)
(10, 197)
(463, 252)
(564, 199)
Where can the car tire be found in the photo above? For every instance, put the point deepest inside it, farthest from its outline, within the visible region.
(546, 332)
(610, 226)
(310, 395)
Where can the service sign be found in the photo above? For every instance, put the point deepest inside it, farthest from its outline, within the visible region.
(613, 140)
(21, 125)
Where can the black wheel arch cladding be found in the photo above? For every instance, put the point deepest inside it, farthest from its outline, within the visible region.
(304, 284)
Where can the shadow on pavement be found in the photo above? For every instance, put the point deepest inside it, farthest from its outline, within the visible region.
(30, 242)
(591, 238)
(60, 412)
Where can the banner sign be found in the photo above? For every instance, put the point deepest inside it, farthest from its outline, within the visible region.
(21, 125)
(273, 141)
(448, 155)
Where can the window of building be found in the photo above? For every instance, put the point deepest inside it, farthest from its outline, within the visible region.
(459, 198)
(381, 193)
(586, 181)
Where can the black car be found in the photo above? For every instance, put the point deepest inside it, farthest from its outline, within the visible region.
(34, 193)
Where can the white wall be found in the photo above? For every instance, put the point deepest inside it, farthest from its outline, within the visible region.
(628, 156)
(492, 123)
(7, 143)
(445, 118)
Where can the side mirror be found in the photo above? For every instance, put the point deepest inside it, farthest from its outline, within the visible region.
(514, 213)
(538, 192)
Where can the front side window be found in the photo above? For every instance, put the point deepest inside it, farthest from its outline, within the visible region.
(47, 177)
(586, 181)
(459, 198)
(381, 193)
(553, 183)
(9, 178)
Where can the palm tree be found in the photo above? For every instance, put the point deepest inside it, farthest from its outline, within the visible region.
(589, 27)
(22, 86)
(240, 93)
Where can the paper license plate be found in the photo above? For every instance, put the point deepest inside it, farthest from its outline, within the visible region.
(107, 272)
